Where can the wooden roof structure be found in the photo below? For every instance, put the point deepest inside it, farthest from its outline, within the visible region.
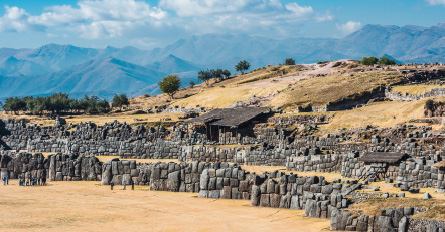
(229, 117)
(383, 157)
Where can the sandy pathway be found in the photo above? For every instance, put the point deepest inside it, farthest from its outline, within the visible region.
(86, 206)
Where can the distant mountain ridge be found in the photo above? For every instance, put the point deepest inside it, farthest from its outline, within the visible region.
(75, 70)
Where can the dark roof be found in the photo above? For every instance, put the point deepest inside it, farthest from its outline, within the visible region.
(233, 117)
(383, 157)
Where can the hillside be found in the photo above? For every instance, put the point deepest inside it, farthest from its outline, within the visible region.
(301, 85)
(321, 91)
(226, 92)
(306, 85)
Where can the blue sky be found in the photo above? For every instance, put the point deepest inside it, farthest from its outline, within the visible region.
(148, 24)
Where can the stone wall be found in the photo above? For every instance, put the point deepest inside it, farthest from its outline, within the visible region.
(54, 168)
(300, 119)
(351, 166)
(157, 149)
(183, 177)
(313, 194)
(226, 182)
(423, 225)
(390, 219)
(25, 165)
(419, 175)
(315, 163)
(74, 168)
(274, 189)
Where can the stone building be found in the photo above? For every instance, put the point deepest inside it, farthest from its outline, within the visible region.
(222, 125)
(381, 165)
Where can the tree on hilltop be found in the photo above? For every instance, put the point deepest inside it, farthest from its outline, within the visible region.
(242, 66)
(170, 84)
(289, 61)
(205, 76)
(384, 60)
(226, 73)
(369, 60)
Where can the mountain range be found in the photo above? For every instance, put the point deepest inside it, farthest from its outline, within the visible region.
(104, 72)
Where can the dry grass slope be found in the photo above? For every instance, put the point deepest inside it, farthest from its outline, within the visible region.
(415, 89)
(320, 91)
(225, 92)
(379, 114)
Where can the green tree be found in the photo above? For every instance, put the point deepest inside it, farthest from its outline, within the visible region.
(103, 106)
(218, 73)
(14, 104)
(289, 61)
(120, 100)
(192, 84)
(242, 66)
(170, 84)
(59, 102)
(38, 105)
(384, 60)
(204, 76)
(124, 100)
(75, 105)
(369, 60)
(226, 73)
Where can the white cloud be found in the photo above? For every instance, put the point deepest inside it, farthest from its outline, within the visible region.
(94, 18)
(14, 19)
(261, 17)
(136, 19)
(436, 2)
(299, 10)
(202, 7)
(349, 27)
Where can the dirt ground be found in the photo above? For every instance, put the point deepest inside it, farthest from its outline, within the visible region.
(87, 206)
